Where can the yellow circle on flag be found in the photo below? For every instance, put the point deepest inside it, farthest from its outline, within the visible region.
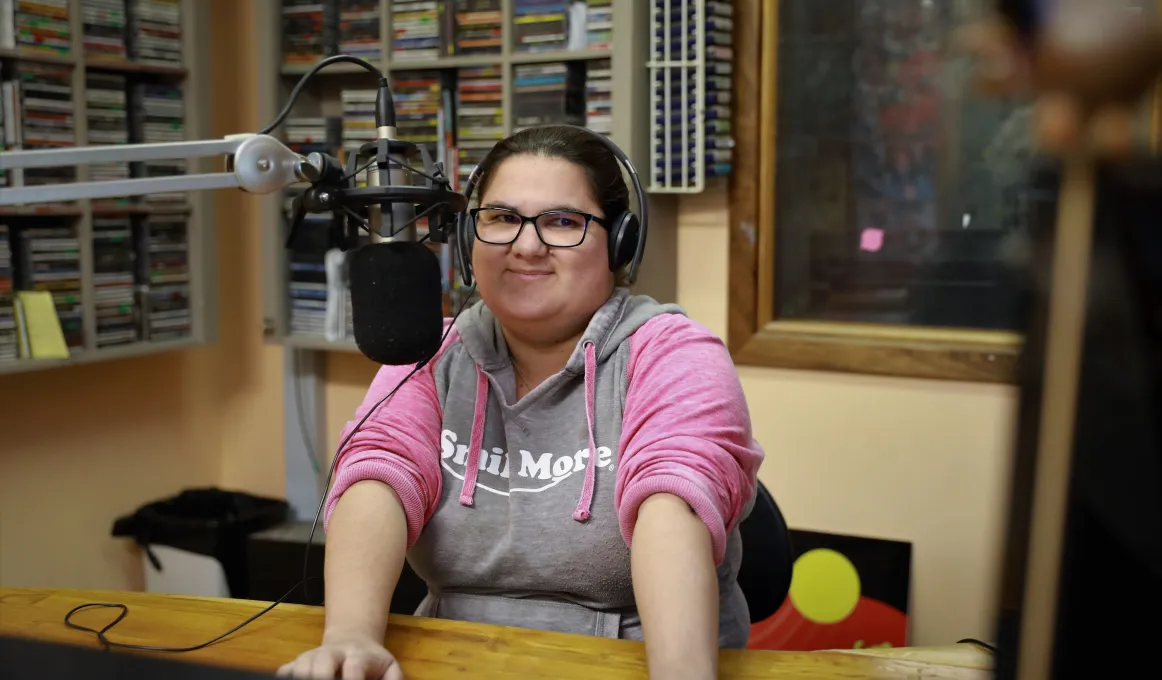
(824, 586)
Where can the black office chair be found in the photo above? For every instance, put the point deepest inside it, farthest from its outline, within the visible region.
(767, 557)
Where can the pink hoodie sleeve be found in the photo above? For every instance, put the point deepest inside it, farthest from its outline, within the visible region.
(686, 429)
(399, 444)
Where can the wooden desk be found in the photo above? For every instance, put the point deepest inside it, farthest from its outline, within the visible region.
(429, 648)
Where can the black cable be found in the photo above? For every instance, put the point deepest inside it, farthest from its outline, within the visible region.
(384, 101)
(339, 450)
(109, 644)
(294, 95)
(335, 461)
(973, 641)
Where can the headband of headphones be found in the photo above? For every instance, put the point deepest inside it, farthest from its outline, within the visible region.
(627, 226)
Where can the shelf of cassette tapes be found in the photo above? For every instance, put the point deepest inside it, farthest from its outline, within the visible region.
(43, 241)
(163, 277)
(92, 73)
(690, 94)
(8, 347)
(314, 29)
(105, 107)
(114, 270)
(46, 252)
(40, 247)
(36, 28)
(306, 276)
(103, 23)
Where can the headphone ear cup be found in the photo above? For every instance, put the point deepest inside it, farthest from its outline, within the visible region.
(623, 237)
(464, 249)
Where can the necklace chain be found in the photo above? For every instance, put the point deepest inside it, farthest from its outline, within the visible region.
(524, 383)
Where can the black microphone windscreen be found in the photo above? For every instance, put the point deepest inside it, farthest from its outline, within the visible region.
(396, 302)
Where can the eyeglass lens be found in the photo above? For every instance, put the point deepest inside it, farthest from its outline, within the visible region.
(559, 229)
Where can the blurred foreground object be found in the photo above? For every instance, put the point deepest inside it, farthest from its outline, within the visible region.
(1088, 64)
(1083, 543)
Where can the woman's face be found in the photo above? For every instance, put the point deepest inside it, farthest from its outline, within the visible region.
(528, 282)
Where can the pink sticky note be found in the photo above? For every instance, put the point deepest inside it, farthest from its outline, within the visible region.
(871, 239)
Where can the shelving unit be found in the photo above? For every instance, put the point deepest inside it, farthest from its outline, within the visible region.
(620, 56)
(126, 283)
(690, 75)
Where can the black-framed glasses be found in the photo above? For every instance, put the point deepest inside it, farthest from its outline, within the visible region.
(555, 228)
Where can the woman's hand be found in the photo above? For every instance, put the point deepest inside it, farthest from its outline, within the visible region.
(366, 541)
(351, 657)
(1087, 73)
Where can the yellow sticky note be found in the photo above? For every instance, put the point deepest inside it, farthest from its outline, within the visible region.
(40, 327)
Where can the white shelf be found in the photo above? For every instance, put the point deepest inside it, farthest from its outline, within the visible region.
(91, 356)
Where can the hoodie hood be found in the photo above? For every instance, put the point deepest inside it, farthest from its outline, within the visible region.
(483, 340)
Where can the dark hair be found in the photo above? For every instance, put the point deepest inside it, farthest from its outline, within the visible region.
(571, 144)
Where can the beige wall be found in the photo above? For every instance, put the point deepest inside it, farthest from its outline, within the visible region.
(919, 461)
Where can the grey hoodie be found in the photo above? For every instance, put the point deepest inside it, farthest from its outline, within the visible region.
(508, 521)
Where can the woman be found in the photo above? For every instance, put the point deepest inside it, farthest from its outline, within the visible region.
(480, 469)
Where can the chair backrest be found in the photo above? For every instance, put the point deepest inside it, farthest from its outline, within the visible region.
(767, 557)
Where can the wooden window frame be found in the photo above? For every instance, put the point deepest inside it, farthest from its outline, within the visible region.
(756, 338)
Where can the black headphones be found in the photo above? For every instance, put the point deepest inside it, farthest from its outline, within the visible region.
(627, 232)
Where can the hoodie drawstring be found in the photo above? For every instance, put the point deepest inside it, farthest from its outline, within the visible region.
(472, 468)
(583, 504)
(468, 490)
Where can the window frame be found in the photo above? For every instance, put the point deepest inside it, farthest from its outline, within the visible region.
(754, 337)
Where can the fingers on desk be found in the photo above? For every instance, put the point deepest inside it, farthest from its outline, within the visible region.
(327, 663)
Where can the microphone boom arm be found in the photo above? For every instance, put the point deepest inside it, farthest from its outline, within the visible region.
(255, 163)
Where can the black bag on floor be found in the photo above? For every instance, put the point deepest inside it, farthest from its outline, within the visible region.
(210, 522)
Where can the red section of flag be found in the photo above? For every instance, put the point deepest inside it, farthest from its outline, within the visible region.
(872, 623)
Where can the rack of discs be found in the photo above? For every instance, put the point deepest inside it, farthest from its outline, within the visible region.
(690, 75)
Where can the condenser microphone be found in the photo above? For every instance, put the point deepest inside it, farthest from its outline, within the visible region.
(396, 282)
(396, 286)
(396, 302)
